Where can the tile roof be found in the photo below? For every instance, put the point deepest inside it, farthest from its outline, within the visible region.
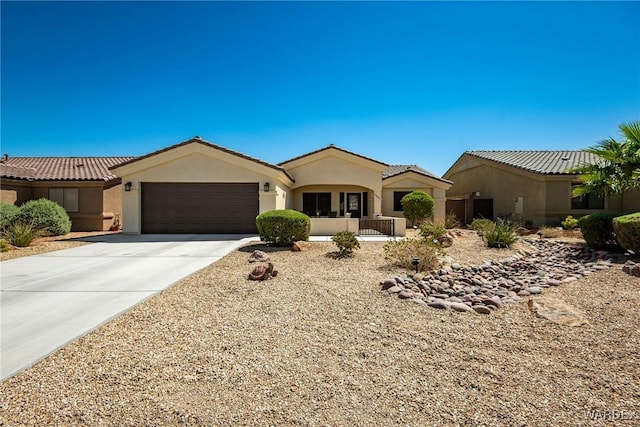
(330, 146)
(394, 170)
(60, 168)
(198, 140)
(542, 162)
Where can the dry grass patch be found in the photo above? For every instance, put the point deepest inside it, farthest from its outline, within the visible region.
(321, 345)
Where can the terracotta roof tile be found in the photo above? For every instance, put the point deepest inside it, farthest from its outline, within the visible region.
(542, 162)
(60, 168)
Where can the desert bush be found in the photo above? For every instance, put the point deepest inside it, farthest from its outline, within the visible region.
(283, 226)
(417, 206)
(569, 223)
(431, 230)
(627, 229)
(547, 232)
(481, 224)
(400, 253)
(21, 234)
(4, 245)
(8, 214)
(46, 216)
(500, 234)
(451, 221)
(597, 231)
(347, 242)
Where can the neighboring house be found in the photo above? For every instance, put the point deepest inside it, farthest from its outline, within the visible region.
(199, 187)
(533, 186)
(84, 186)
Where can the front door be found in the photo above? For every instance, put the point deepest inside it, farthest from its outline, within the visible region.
(354, 204)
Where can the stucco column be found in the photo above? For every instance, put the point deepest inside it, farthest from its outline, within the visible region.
(377, 201)
(440, 208)
(268, 200)
(131, 210)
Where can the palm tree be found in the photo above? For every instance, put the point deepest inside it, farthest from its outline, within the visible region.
(619, 167)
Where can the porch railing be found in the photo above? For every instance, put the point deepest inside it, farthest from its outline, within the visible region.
(376, 227)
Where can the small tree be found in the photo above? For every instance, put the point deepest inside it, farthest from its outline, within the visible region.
(618, 169)
(417, 206)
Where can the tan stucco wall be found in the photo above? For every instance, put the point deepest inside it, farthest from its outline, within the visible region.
(336, 168)
(412, 182)
(331, 226)
(503, 186)
(112, 205)
(15, 192)
(197, 163)
(90, 198)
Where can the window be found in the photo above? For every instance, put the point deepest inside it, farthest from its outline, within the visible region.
(588, 201)
(65, 197)
(316, 204)
(397, 196)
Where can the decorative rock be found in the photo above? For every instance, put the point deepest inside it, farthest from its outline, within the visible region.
(438, 303)
(419, 301)
(534, 290)
(395, 289)
(388, 283)
(481, 309)
(557, 311)
(460, 306)
(262, 272)
(300, 246)
(523, 293)
(406, 295)
(258, 256)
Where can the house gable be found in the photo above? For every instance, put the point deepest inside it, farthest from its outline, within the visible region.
(335, 166)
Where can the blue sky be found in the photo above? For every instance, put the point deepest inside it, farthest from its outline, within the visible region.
(405, 83)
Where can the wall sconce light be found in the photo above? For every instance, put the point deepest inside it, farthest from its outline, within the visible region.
(476, 193)
(267, 187)
(127, 186)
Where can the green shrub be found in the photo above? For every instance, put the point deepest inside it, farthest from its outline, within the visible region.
(401, 253)
(21, 234)
(481, 224)
(597, 231)
(417, 206)
(569, 223)
(283, 226)
(4, 245)
(500, 234)
(627, 229)
(7, 214)
(547, 232)
(431, 230)
(46, 216)
(451, 221)
(347, 242)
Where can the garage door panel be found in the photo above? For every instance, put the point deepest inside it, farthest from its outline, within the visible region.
(199, 207)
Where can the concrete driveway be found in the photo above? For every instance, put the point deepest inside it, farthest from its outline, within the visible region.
(51, 299)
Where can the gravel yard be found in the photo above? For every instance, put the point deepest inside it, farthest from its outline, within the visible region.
(320, 344)
(49, 244)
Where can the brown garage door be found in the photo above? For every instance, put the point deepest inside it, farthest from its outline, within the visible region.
(199, 208)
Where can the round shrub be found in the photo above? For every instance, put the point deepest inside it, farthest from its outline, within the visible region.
(417, 206)
(283, 226)
(46, 216)
(7, 214)
(597, 230)
(347, 242)
(627, 228)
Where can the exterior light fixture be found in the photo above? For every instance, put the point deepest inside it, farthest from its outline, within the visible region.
(476, 193)
(127, 186)
(415, 262)
(267, 187)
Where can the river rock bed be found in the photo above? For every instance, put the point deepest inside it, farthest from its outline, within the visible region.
(488, 286)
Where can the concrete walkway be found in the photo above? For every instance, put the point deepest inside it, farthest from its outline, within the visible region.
(49, 300)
